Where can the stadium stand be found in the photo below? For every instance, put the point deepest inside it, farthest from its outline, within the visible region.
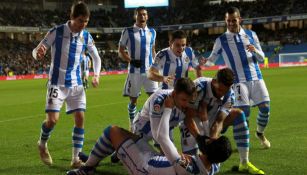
(15, 55)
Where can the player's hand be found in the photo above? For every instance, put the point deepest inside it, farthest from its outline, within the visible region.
(41, 51)
(169, 102)
(185, 160)
(168, 79)
(250, 48)
(95, 81)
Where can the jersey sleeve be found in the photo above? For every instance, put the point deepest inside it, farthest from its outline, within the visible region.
(124, 38)
(259, 53)
(156, 107)
(159, 61)
(216, 51)
(49, 38)
(94, 54)
(227, 102)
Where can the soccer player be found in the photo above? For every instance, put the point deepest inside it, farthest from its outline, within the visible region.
(139, 41)
(67, 42)
(241, 51)
(213, 106)
(85, 66)
(163, 111)
(138, 157)
(173, 62)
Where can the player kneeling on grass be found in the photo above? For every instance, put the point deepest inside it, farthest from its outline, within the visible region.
(139, 157)
(213, 112)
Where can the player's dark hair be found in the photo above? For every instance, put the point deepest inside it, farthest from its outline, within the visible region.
(233, 10)
(79, 9)
(185, 85)
(178, 34)
(219, 150)
(138, 9)
(225, 76)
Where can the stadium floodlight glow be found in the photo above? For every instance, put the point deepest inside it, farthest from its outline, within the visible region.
(293, 59)
(147, 3)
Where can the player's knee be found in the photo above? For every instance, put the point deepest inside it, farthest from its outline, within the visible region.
(264, 108)
(246, 110)
(50, 123)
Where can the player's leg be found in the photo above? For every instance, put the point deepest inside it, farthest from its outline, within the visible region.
(102, 148)
(261, 98)
(241, 91)
(111, 139)
(132, 89)
(54, 101)
(46, 129)
(241, 137)
(76, 104)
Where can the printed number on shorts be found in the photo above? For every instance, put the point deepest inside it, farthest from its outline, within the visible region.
(238, 89)
(185, 133)
(53, 92)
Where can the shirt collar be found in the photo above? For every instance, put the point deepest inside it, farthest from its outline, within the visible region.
(139, 28)
(241, 32)
(71, 32)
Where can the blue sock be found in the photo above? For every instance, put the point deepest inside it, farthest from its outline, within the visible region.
(103, 146)
(45, 134)
(241, 136)
(77, 141)
(131, 111)
(263, 118)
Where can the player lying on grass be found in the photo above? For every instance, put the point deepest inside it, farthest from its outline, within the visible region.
(138, 157)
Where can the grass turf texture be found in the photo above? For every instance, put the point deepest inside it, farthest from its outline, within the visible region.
(22, 112)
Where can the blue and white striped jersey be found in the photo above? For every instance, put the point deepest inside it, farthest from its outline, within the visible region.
(205, 94)
(139, 43)
(153, 108)
(167, 63)
(233, 48)
(158, 165)
(66, 54)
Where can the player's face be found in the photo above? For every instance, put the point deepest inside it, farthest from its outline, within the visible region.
(219, 89)
(178, 46)
(141, 17)
(79, 23)
(182, 100)
(233, 22)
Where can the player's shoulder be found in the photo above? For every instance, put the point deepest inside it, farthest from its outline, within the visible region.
(160, 95)
(162, 53)
(201, 83)
(57, 27)
(151, 29)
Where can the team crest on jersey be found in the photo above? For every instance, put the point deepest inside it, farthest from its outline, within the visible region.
(82, 39)
(186, 59)
(157, 108)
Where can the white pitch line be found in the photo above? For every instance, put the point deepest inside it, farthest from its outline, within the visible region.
(33, 116)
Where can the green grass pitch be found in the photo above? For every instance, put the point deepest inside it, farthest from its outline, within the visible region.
(22, 112)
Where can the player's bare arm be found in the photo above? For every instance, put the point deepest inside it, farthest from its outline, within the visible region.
(154, 75)
(217, 126)
(123, 54)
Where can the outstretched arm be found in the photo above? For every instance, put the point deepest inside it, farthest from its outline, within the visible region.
(160, 131)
